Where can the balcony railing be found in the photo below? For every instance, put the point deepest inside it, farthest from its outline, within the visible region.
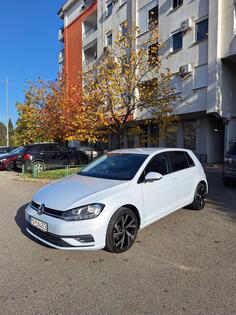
(90, 31)
(61, 34)
(61, 57)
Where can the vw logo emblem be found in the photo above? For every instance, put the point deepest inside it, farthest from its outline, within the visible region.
(41, 209)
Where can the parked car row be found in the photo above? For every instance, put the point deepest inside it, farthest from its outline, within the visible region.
(42, 156)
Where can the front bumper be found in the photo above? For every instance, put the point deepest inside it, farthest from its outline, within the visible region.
(69, 235)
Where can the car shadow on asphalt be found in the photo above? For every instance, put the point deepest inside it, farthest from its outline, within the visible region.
(221, 197)
(22, 224)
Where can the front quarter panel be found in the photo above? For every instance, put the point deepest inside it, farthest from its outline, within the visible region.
(117, 197)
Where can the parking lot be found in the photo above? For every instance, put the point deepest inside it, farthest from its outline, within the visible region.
(182, 264)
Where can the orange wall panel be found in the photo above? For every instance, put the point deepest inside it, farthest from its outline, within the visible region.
(73, 47)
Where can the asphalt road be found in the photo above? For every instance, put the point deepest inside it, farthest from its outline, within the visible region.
(182, 264)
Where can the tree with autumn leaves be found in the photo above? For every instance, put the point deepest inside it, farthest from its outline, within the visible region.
(57, 111)
(127, 82)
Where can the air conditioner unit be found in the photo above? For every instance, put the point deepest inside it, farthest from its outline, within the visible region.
(185, 70)
(186, 25)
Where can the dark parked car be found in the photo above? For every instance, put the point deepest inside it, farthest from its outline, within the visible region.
(43, 156)
(229, 168)
(6, 149)
(7, 160)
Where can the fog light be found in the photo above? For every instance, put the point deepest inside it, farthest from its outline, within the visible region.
(84, 238)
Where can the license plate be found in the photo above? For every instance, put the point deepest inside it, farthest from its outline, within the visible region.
(39, 224)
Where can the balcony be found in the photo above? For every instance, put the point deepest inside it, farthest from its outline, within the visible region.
(61, 34)
(90, 29)
(61, 57)
(90, 54)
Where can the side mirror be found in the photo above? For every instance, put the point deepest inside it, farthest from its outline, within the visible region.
(152, 176)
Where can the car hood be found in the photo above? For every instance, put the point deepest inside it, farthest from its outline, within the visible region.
(7, 156)
(65, 193)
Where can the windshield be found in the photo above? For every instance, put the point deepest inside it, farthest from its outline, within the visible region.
(115, 166)
(19, 150)
(233, 149)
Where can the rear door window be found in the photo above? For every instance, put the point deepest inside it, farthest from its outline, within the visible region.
(35, 149)
(178, 160)
(61, 148)
(49, 147)
(190, 160)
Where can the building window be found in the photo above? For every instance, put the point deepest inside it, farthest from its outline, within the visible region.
(171, 136)
(109, 39)
(109, 7)
(202, 30)
(90, 53)
(190, 135)
(123, 29)
(177, 41)
(153, 17)
(176, 85)
(177, 3)
(154, 136)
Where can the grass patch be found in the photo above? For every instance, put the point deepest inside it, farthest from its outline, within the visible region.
(54, 174)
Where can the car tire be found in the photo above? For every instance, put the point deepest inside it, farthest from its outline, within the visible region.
(38, 166)
(199, 200)
(121, 231)
(10, 166)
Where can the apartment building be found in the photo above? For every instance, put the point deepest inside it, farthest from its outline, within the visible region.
(200, 50)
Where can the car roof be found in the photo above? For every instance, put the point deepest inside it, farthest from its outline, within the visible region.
(147, 151)
(39, 143)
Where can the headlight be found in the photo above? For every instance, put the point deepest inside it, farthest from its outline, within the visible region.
(83, 213)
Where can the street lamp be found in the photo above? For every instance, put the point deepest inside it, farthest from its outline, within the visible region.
(7, 98)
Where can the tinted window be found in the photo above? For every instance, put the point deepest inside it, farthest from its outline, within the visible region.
(49, 147)
(35, 149)
(190, 160)
(177, 3)
(115, 166)
(158, 164)
(177, 41)
(202, 30)
(61, 148)
(178, 160)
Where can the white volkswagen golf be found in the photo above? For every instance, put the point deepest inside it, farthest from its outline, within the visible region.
(113, 197)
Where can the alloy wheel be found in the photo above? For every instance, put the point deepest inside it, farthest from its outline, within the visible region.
(124, 231)
(201, 196)
(38, 167)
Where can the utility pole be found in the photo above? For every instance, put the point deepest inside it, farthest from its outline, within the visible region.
(7, 111)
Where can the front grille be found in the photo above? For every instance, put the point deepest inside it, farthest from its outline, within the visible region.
(49, 237)
(48, 211)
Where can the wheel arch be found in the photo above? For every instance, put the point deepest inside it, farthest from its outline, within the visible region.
(135, 210)
(38, 160)
(204, 183)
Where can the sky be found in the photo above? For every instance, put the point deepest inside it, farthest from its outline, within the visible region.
(28, 48)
